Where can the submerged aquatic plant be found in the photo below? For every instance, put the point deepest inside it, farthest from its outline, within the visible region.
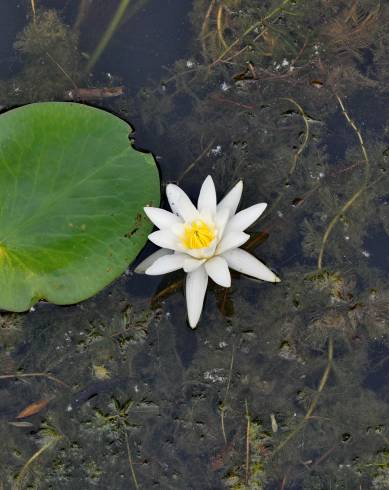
(204, 241)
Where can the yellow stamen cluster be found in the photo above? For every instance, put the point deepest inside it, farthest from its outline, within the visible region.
(197, 235)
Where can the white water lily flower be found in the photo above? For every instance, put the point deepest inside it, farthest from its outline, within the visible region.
(204, 241)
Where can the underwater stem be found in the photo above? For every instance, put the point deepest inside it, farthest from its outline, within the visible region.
(204, 27)
(192, 165)
(133, 475)
(223, 407)
(33, 8)
(107, 36)
(315, 400)
(83, 9)
(249, 30)
(247, 444)
(219, 24)
(355, 196)
(296, 156)
(23, 471)
(32, 375)
(62, 70)
(298, 153)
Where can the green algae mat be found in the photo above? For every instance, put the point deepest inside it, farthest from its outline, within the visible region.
(72, 189)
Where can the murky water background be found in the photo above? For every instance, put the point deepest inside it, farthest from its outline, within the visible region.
(280, 387)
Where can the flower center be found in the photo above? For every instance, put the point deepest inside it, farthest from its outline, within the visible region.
(197, 235)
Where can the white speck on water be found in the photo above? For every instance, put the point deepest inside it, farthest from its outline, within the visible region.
(317, 48)
(217, 151)
(365, 253)
(224, 87)
(215, 375)
(190, 63)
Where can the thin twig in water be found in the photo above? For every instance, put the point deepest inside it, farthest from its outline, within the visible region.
(249, 30)
(194, 163)
(33, 8)
(298, 153)
(204, 27)
(23, 471)
(33, 375)
(133, 475)
(83, 8)
(223, 405)
(247, 444)
(108, 34)
(356, 195)
(315, 400)
(62, 70)
(219, 25)
(175, 286)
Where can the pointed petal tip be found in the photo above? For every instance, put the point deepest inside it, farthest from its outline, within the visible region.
(277, 279)
(217, 269)
(192, 326)
(196, 286)
(232, 199)
(148, 261)
(207, 200)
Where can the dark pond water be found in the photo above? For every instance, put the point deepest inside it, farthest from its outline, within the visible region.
(281, 386)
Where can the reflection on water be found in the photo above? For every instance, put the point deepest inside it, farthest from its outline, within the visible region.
(280, 387)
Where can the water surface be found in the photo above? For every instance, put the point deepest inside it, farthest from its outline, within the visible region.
(280, 386)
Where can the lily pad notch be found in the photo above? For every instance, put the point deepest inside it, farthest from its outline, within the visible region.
(72, 192)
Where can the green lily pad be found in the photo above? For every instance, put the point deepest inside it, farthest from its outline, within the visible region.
(72, 191)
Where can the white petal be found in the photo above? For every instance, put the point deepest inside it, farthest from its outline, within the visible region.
(191, 264)
(196, 286)
(207, 197)
(246, 217)
(231, 200)
(145, 264)
(181, 204)
(161, 218)
(221, 220)
(231, 240)
(168, 263)
(202, 253)
(218, 271)
(165, 239)
(242, 261)
(178, 229)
